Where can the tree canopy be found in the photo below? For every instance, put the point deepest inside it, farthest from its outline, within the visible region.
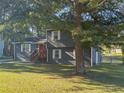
(91, 22)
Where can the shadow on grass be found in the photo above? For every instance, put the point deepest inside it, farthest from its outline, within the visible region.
(61, 70)
(110, 74)
(107, 75)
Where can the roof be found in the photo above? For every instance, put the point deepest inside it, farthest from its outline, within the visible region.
(33, 40)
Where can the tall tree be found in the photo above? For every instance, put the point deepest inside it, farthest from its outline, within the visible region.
(89, 21)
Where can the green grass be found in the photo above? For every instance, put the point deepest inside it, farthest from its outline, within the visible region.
(30, 78)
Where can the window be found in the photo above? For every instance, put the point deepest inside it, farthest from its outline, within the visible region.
(26, 48)
(55, 35)
(97, 57)
(57, 54)
(22, 47)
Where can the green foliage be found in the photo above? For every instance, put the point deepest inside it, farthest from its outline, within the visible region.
(2, 27)
(41, 14)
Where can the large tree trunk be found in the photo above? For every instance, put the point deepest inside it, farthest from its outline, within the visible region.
(80, 66)
(78, 49)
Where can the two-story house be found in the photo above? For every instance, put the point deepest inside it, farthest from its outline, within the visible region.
(57, 46)
(60, 49)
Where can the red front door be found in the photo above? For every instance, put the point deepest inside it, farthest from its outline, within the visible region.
(41, 51)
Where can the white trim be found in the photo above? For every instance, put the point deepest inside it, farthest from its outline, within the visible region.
(52, 37)
(58, 35)
(54, 51)
(22, 47)
(97, 61)
(60, 53)
(74, 56)
(71, 55)
(43, 40)
(53, 54)
(27, 48)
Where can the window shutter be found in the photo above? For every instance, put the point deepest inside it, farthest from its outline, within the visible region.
(52, 36)
(97, 57)
(22, 47)
(53, 54)
(29, 47)
(60, 54)
(59, 35)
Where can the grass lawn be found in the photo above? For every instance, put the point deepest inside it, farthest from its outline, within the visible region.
(27, 78)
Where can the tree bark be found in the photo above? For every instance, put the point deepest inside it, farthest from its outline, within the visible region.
(80, 67)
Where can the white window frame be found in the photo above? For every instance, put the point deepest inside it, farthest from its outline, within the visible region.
(54, 51)
(22, 47)
(97, 57)
(28, 50)
(58, 35)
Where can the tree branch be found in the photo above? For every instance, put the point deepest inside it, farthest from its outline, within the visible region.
(95, 8)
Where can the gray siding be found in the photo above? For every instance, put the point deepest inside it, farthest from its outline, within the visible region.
(65, 40)
(66, 56)
(66, 44)
(23, 55)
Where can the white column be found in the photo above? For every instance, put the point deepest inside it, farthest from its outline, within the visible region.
(59, 35)
(97, 61)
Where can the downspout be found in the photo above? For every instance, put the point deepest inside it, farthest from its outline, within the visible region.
(14, 51)
(91, 56)
(47, 46)
(14, 48)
